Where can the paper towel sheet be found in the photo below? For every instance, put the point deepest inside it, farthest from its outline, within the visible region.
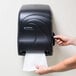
(34, 58)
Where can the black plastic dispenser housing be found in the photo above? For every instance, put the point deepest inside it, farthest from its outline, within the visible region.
(35, 29)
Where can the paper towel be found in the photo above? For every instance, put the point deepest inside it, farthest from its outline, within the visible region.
(34, 58)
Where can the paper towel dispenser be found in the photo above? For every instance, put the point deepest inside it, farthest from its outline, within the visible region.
(35, 29)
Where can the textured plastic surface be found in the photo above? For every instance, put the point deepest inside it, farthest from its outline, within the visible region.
(35, 29)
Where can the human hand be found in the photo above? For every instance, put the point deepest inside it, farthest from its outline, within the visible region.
(63, 40)
(42, 70)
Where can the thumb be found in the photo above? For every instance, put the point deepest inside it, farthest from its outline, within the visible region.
(37, 66)
(57, 36)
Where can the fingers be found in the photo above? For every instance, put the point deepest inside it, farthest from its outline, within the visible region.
(37, 66)
(59, 42)
(41, 70)
(38, 71)
(62, 40)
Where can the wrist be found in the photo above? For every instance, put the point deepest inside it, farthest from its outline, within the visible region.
(50, 70)
(73, 41)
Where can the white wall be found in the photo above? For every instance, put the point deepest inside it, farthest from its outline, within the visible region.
(64, 12)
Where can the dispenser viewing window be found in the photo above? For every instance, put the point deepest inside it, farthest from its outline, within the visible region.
(35, 29)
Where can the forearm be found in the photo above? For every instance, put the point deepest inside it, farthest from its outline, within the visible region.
(65, 65)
